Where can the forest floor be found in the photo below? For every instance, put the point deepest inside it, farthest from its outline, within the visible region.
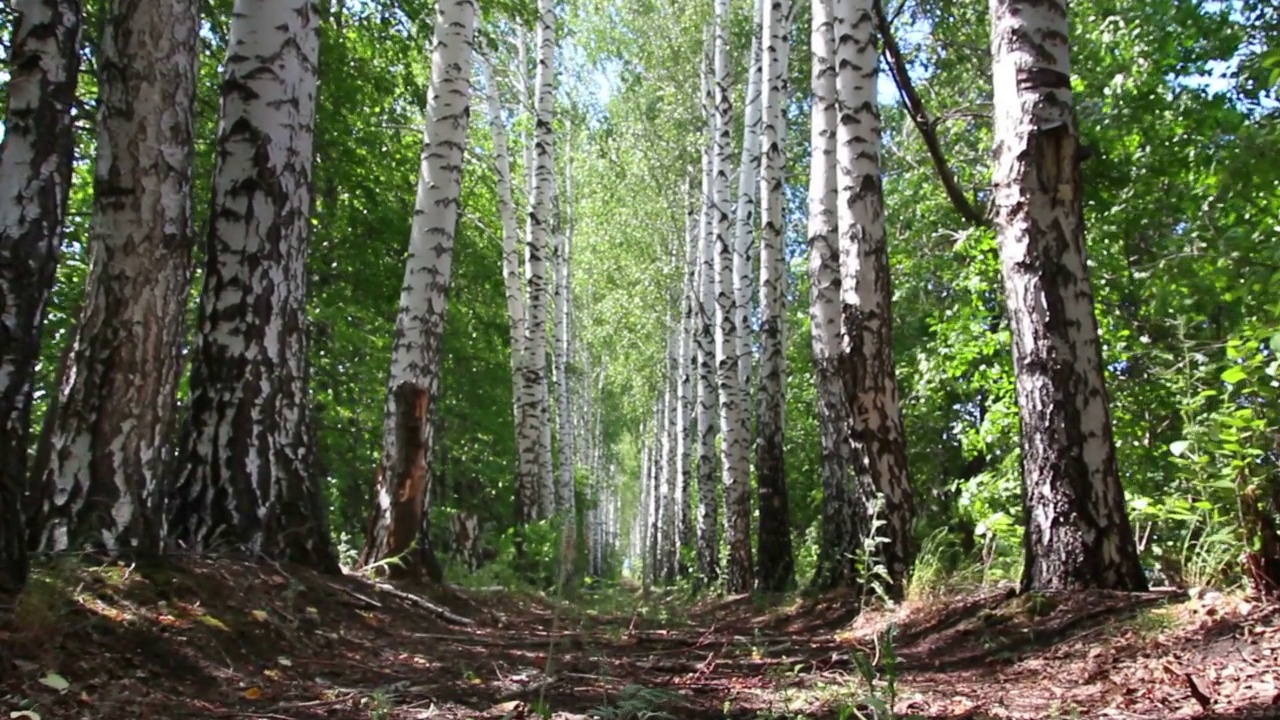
(204, 639)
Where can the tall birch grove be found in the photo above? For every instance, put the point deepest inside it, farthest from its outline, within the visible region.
(35, 178)
(103, 486)
(1078, 531)
(247, 478)
(776, 568)
(871, 385)
(404, 474)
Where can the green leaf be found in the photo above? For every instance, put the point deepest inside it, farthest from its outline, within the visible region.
(55, 681)
(1234, 375)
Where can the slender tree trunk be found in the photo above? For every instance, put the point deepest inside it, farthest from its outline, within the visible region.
(735, 420)
(685, 427)
(871, 386)
(837, 547)
(526, 445)
(776, 563)
(708, 489)
(539, 228)
(404, 476)
(103, 488)
(745, 207)
(248, 480)
(1078, 532)
(564, 416)
(670, 477)
(35, 180)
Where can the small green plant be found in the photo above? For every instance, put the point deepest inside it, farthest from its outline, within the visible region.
(880, 672)
(380, 705)
(637, 702)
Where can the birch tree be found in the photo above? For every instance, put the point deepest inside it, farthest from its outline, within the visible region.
(734, 419)
(513, 283)
(35, 179)
(404, 477)
(542, 180)
(108, 447)
(837, 546)
(871, 386)
(776, 564)
(247, 479)
(1078, 533)
(708, 516)
(686, 392)
(745, 206)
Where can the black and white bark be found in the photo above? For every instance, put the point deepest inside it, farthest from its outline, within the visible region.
(776, 568)
(247, 480)
(102, 486)
(871, 386)
(1078, 533)
(35, 179)
(404, 475)
(837, 546)
(708, 514)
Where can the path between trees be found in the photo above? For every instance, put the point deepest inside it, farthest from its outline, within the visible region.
(232, 640)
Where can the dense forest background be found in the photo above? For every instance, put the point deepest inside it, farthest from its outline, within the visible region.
(1177, 103)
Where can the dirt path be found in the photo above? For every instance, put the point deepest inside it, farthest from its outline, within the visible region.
(229, 640)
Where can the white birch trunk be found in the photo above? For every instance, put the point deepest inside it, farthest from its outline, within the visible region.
(102, 489)
(744, 209)
(35, 181)
(836, 551)
(776, 564)
(734, 417)
(685, 425)
(539, 229)
(513, 284)
(248, 478)
(1078, 531)
(871, 385)
(404, 478)
(708, 489)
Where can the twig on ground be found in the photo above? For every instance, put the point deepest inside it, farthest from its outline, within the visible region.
(425, 604)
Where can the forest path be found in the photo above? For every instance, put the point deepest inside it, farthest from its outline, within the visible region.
(233, 640)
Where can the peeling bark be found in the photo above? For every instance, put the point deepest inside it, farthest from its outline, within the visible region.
(35, 179)
(404, 477)
(103, 488)
(1078, 533)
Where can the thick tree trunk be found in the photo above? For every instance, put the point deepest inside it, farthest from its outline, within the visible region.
(522, 392)
(248, 478)
(103, 487)
(708, 517)
(1078, 532)
(35, 180)
(776, 563)
(735, 421)
(871, 386)
(404, 475)
(837, 547)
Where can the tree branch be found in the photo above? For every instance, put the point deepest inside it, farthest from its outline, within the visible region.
(920, 117)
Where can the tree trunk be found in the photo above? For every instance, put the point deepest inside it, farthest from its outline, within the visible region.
(685, 427)
(103, 488)
(871, 387)
(248, 472)
(708, 517)
(537, 422)
(1078, 532)
(776, 564)
(404, 475)
(735, 421)
(837, 546)
(745, 207)
(522, 392)
(35, 179)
